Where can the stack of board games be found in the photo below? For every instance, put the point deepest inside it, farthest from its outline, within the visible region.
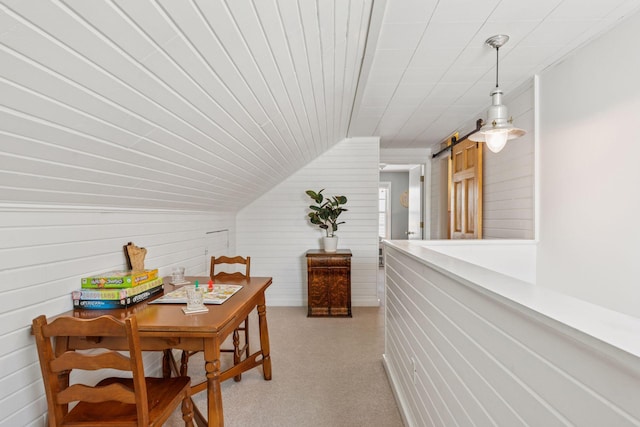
(119, 279)
(117, 289)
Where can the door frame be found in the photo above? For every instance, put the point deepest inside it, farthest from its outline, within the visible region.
(414, 156)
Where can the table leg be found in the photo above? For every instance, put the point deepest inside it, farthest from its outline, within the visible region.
(214, 394)
(264, 338)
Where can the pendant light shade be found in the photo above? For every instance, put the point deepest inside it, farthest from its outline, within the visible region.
(498, 128)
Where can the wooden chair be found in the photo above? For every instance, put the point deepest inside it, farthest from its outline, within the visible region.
(114, 401)
(220, 277)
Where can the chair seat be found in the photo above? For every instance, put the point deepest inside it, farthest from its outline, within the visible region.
(160, 395)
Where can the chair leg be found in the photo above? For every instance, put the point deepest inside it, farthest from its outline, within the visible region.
(166, 363)
(236, 352)
(246, 337)
(187, 412)
(184, 363)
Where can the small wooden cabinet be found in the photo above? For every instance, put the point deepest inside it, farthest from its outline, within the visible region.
(329, 283)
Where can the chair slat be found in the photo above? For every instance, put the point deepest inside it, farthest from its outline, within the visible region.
(225, 276)
(80, 392)
(108, 326)
(91, 362)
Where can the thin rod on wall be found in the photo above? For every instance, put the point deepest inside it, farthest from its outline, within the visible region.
(455, 141)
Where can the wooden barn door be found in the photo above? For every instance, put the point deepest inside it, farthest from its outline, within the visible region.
(465, 191)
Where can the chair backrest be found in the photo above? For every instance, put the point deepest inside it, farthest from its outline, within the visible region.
(222, 275)
(54, 363)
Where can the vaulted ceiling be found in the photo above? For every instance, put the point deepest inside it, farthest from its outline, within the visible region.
(205, 104)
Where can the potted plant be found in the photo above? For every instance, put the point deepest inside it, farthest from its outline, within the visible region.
(325, 215)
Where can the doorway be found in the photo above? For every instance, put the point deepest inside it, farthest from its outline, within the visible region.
(406, 195)
(403, 187)
(384, 216)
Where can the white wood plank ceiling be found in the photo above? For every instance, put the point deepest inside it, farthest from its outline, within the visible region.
(431, 71)
(206, 104)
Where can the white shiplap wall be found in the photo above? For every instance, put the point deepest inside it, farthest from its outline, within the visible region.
(508, 209)
(275, 232)
(43, 254)
(458, 354)
(508, 193)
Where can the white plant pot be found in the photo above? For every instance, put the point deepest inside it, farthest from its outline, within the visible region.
(330, 243)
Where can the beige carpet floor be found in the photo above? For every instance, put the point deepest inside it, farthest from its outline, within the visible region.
(327, 372)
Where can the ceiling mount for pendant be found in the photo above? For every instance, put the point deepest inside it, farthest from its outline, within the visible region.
(497, 41)
(498, 128)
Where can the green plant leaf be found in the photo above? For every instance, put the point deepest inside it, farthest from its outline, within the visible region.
(326, 211)
(317, 197)
(341, 199)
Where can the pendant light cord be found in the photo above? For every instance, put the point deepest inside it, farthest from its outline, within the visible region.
(497, 63)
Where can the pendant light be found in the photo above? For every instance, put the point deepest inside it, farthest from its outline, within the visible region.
(498, 128)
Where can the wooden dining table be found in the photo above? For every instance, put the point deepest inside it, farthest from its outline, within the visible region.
(165, 327)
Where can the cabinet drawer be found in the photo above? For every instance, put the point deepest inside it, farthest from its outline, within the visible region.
(338, 261)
